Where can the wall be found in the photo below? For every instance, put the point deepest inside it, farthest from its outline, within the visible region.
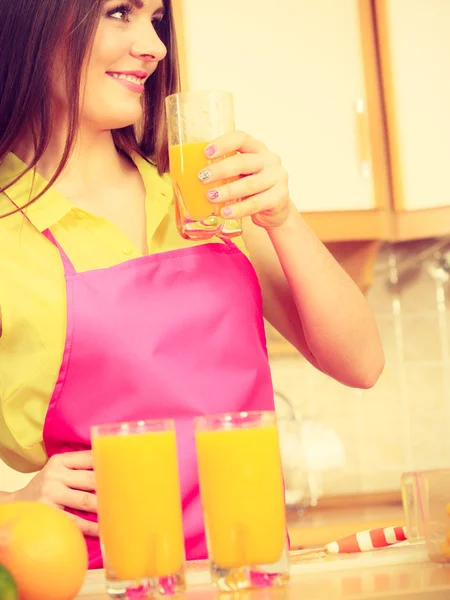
(401, 423)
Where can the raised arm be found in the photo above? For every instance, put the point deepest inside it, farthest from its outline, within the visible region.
(308, 297)
(313, 303)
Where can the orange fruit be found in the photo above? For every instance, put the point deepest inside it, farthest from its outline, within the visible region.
(43, 550)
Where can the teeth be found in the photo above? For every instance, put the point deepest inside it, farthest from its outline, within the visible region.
(131, 78)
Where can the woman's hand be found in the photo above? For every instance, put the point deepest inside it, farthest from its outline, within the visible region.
(260, 181)
(66, 481)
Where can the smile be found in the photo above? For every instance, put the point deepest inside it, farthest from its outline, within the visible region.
(131, 78)
(135, 83)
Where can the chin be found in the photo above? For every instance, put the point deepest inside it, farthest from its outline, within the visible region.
(118, 119)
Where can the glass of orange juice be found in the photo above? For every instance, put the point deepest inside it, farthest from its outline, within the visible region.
(242, 493)
(139, 508)
(194, 120)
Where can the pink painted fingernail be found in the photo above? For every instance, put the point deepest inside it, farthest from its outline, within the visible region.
(212, 194)
(210, 150)
(227, 211)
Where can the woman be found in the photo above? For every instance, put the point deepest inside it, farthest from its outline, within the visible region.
(107, 314)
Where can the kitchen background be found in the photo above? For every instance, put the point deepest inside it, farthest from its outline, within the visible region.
(355, 97)
(401, 423)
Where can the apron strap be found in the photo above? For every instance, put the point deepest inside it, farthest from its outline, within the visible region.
(227, 241)
(69, 269)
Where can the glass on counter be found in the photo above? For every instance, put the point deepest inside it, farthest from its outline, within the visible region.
(139, 508)
(242, 493)
(426, 500)
(412, 505)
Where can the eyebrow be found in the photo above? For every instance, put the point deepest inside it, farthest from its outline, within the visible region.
(140, 4)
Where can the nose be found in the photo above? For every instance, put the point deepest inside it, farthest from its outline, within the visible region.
(148, 46)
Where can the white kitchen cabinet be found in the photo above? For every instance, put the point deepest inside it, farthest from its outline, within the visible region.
(415, 57)
(297, 72)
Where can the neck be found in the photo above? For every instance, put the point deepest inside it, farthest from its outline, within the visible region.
(94, 160)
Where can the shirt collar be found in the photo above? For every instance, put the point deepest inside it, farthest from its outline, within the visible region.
(50, 208)
(159, 195)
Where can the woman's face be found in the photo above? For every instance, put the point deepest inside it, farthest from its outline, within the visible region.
(125, 53)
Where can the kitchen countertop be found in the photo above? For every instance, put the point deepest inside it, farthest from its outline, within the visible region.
(319, 527)
(397, 573)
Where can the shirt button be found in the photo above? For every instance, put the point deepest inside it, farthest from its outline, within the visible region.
(126, 250)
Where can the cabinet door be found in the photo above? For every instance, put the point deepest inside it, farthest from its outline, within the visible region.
(415, 58)
(296, 70)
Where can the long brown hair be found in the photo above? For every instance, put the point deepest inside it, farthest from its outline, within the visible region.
(31, 35)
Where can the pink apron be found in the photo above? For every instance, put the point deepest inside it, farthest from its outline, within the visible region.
(170, 335)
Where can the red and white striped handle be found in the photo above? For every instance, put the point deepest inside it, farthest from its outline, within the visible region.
(368, 540)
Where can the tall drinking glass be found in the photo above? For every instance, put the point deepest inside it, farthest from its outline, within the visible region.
(194, 120)
(139, 508)
(242, 492)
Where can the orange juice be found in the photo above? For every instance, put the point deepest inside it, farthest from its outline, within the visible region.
(139, 504)
(242, 494)
(186, 161)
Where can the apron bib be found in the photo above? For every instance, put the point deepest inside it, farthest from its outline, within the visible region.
(171, 335)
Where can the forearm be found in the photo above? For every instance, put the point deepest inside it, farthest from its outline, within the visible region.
(337, 322)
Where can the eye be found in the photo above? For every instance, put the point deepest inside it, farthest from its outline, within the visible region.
(120, 13)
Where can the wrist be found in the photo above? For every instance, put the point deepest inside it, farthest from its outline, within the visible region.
(292, 220)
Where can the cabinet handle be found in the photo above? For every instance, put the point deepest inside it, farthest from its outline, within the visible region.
(362, 129)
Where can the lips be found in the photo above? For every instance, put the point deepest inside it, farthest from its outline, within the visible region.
(136, 77)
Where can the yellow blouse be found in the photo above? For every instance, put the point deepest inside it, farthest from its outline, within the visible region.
(32, 292)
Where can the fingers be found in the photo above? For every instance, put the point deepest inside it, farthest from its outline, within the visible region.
(79, 480)
(76, 460)
(248, 179)
(262, 203)
(232, 167)
(244, 187)
(57, 493)
(67, 482)
(78, 500)
(256, 177)
(87, 527)
(236, 141)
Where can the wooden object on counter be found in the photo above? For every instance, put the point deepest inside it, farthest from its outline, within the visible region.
(388, 574)
(357, 259)
(370, 500)
(340, 225)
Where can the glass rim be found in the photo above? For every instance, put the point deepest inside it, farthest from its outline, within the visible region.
(132, 427)
(234, 420)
